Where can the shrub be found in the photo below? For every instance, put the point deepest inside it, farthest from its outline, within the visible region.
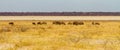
(23, 29)
(5, 29)
(20, 29)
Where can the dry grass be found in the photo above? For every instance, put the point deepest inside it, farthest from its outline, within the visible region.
(25, 36)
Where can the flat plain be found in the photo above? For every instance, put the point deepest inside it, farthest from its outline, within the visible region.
(24, 35)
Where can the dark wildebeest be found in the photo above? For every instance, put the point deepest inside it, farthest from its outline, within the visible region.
(34, 23)
(41, 23)
(95, 23)
(58, 23)
(11, 23)
(78, 23)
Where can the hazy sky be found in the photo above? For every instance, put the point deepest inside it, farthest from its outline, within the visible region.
(59, 5)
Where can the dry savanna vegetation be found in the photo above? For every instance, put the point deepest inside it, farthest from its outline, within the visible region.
(59, 35)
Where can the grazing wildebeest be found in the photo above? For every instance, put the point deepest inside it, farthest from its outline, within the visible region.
(11, 23)
(39, 23)
(78, 23)
(58, 23)
(95, 23)
(34, 23)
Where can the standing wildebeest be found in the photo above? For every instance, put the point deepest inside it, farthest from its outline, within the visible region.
(78, 23)
(95, 23)
(41, 23)
(34, 23)
(58, 23)
(11, 23)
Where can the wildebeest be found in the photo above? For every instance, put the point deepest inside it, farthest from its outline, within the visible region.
(34, 23)
(11, 23)
(40, 23)
(78, 23)
(95, 23)
(58, 23)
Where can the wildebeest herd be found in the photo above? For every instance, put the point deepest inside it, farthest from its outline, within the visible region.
(39, 23)
(69, 23)
(60, 23)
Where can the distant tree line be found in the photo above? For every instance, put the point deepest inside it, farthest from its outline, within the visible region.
(59, 13)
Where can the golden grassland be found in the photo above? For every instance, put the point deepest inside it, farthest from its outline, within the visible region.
(25, 36)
